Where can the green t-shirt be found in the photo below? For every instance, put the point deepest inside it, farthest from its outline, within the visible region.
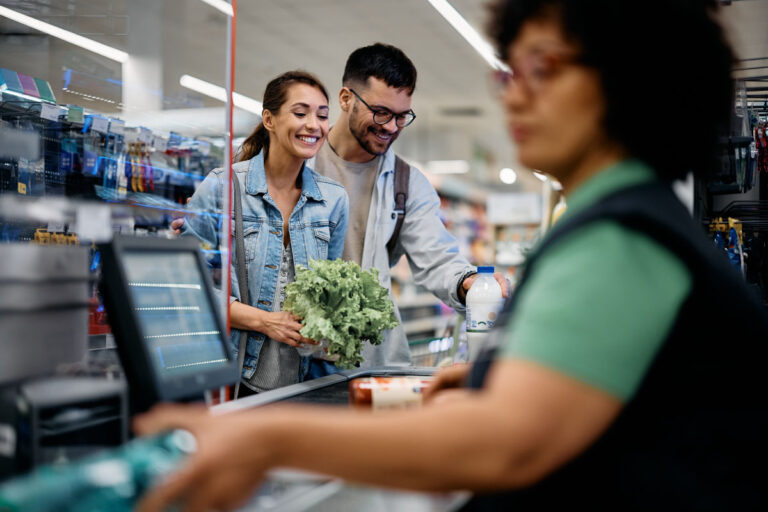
(600, 302)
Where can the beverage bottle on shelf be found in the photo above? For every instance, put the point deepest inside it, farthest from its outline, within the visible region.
(124, 177)
(113, 480)
(484, 301)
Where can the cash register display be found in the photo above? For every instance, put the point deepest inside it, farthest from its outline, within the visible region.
(175, 314)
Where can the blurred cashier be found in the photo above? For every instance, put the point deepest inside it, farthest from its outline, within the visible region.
(629, 372)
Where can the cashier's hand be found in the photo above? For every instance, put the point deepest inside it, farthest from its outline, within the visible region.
(284, 327)
(220, 475)
(176, 225)
(448, 379)
(503, 282)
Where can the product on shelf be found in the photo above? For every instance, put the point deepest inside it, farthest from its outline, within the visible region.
(82, 155)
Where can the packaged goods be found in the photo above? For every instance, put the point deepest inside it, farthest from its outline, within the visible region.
(387, 392)
(114, 480)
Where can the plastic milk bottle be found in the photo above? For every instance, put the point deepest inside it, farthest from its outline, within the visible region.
(484, 301)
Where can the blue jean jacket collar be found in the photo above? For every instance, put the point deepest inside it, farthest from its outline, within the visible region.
(256, 182)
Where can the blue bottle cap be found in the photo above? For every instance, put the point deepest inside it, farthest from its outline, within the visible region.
(485, 270)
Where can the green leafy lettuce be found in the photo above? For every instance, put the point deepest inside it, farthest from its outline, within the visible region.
(339, 302)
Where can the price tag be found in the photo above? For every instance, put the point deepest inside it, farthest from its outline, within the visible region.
(74, 114)
(145, 135)
(160, 144)
(131, 135)
(56, 227)
(50, 112)
(117, 126)
(100, 124)
(93, 222)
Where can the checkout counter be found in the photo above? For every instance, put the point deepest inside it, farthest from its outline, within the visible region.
(294, 491)
(172, 347)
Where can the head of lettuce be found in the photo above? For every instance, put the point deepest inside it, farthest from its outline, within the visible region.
(339, 302)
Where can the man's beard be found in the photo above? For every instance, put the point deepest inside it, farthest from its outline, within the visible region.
(359, 135)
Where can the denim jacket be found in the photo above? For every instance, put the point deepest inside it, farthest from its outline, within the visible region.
(432, 252)
(317, 228)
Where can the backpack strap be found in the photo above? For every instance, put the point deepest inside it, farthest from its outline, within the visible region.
(402, 177)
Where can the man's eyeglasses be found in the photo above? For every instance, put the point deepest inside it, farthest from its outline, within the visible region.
(533, 71)
(383, 115)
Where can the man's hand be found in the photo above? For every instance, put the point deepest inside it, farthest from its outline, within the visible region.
(498, 276)
(176, 225)
(224, 472)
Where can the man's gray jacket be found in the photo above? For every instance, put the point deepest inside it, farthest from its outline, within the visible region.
(432, 252)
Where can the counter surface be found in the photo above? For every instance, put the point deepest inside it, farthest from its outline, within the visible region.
(293, 491)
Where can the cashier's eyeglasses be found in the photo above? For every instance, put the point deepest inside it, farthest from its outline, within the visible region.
(383, 115)
(533, 71)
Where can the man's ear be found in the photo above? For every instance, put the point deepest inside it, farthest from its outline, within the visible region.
(345, 99)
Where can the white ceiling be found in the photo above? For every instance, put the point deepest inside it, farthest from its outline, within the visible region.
(189, 37)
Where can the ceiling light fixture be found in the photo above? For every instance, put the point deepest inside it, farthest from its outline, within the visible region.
(65, 35)
(219, 93)
(471, 35)
(507, 175)
(221, 5)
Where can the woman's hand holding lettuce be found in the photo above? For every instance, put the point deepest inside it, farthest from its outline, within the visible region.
(339, 302)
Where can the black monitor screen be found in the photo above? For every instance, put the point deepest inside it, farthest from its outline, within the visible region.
(176, 317)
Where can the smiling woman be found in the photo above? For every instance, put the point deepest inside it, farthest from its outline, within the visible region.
(284, 206)
(294, 94)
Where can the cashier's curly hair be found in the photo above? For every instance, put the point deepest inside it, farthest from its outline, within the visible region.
(274, 96)
(665, 69)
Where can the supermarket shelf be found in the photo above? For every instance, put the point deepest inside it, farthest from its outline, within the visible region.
(64, 210)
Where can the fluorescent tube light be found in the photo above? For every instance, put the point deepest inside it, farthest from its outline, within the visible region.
(219, 93)
(540, 175)
(448, 167)
(221, 5)
(65, 35)
(461, 25)
(246, 103)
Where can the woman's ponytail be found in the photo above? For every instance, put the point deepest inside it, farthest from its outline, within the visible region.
(255, 142)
